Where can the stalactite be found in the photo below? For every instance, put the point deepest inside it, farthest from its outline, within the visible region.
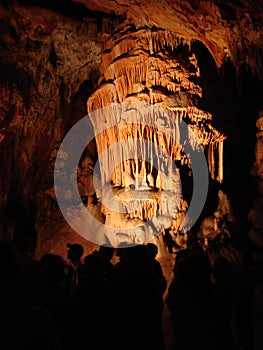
(209, 156)
(220, 162)
(213, 161)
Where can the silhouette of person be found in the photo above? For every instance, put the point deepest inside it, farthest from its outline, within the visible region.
(190, 301)
(74, 255)
(224, 301)
(29, 266)
(55, 295)
(106, 253)
(157, 272)
(137, 302)
(25, 323)
(92, 301)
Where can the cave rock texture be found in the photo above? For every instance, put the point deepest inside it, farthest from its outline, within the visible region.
(199, 62)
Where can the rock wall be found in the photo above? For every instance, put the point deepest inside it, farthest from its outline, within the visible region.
(48, 65)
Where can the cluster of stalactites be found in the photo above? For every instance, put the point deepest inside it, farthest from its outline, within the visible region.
(146, 78)
(143, 209)
(152, 39)
(142, 64)
(143, 153)
(150, 67)
(159, 132)
(146, 208)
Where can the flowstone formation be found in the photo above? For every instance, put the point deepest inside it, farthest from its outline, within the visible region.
(150, 87)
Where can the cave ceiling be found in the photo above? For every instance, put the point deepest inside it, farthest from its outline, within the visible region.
(231, 28)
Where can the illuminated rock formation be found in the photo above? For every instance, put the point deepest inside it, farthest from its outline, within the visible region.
(150, 84)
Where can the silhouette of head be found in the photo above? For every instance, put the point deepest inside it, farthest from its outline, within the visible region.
(75, 252)
(152, 249)
(106, 252)
(53, 268)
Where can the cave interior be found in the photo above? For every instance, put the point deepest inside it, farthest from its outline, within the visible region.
(144, 81)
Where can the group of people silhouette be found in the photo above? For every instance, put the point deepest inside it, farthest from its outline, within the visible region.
(91, 302)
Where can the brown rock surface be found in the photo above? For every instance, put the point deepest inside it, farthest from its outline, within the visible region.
(225, 27)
